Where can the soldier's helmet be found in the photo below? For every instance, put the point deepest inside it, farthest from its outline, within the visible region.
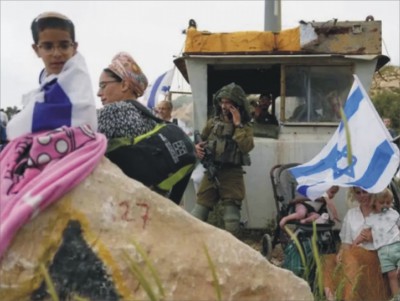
(236, 94)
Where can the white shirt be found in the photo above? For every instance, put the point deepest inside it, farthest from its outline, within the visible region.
(384, 227)
(353, 224)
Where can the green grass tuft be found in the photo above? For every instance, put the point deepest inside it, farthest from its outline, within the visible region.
(211, 264)
(49, 282)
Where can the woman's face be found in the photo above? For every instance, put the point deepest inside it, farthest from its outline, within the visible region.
(110, 89)
(362, 196)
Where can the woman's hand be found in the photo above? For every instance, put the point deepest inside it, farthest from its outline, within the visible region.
(366, 235)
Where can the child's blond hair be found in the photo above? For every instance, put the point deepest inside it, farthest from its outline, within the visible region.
(385, 194)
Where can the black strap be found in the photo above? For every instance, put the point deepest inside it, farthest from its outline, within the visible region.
(145, 110)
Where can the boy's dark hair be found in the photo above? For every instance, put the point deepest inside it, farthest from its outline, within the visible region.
(44, 22)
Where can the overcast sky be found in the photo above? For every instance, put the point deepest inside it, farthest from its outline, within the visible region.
(152, 31)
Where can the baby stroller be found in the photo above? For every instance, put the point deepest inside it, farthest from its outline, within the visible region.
(284, 189)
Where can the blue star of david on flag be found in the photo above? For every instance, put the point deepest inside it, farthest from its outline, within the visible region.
(165, 89)
(342, 160)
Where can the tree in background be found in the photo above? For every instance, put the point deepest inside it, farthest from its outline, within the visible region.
(387, 103)
(11, 111)
(385, 94)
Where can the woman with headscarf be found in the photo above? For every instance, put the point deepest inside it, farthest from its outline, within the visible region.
(121, 83)
(123, 119)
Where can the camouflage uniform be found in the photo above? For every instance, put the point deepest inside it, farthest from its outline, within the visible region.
(230, 146)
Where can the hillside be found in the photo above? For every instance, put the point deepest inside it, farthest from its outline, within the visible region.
(385, 94)
(388, 78)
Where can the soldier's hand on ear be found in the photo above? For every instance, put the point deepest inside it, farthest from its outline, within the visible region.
(236, 119)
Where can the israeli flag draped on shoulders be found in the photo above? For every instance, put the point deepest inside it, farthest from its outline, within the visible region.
(64, 99)
(374, 160)
(160, 87)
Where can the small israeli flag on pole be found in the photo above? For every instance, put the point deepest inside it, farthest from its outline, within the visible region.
(160, 87)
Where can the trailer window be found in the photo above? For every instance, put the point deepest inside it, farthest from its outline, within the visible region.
(315, 93)
(182, 112)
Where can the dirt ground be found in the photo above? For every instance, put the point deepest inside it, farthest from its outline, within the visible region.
(253, 238)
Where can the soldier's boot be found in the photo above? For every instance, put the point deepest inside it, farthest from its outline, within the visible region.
(231, 216)
(200, 211)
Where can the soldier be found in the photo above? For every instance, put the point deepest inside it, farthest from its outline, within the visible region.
(261, 111)
(228, 139)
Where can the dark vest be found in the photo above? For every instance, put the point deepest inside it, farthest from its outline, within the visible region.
(225, 149)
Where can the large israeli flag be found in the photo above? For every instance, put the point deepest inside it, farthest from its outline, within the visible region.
(374, 159)
(158, 89)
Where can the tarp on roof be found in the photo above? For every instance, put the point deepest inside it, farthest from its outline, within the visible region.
(331, 37)
(242, 41)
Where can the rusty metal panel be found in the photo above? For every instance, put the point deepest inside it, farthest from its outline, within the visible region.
(349, 37)
(242, 41)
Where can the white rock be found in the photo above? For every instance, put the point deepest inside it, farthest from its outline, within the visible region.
(114, 212)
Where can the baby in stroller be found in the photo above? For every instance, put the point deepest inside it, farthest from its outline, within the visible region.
(307, 211)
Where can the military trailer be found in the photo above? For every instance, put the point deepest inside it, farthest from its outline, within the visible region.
(308, 71)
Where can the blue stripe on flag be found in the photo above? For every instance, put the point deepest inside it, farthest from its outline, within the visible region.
(54, 112)
(326, 163)
(303, 190)
(352, 105)
(152, 99)
(378, 163)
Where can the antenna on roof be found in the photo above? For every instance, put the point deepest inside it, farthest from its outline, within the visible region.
(272, 15)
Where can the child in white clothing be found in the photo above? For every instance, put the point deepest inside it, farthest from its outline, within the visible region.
(384, 224)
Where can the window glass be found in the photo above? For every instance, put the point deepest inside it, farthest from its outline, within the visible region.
(182, 110)
(315, 93)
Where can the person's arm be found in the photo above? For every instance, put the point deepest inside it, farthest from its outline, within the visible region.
(201, 143)
(243, 134)
(244, 138)
(366, 235)
(207, 129)
(330, 204)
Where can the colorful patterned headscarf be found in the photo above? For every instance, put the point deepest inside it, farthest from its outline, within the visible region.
(126, 68)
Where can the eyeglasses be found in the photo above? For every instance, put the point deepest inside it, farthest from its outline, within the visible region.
(103, 85)
(63, 47)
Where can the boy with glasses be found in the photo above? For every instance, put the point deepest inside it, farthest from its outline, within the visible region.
(65, 96)
(53, 144)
